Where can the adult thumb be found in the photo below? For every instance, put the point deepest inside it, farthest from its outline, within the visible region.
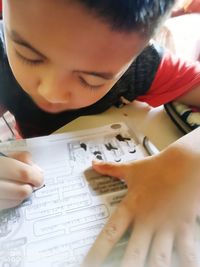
(117, 170)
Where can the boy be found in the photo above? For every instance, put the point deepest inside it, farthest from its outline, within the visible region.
(63, 59)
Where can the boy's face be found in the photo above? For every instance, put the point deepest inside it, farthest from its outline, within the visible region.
(61, 55)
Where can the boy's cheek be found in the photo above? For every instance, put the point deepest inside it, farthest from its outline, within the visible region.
(24, 76)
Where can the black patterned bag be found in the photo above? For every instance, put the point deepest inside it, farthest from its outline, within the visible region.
(187, 118)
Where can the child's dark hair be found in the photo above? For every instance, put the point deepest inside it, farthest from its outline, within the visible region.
(130, 15)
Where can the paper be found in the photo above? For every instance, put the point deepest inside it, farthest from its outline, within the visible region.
(58, 224)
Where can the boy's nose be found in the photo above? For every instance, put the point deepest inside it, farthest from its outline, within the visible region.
(54, 92)
(54, 96)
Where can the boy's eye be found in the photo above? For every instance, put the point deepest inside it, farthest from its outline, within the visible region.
(86, 84)
(28, 60)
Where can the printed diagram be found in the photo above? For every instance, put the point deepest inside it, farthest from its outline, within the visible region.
(113, 147)
(85, 152)
(118, 146)
(11, 258)
(100, 185)
(9, 222)
(128, 141)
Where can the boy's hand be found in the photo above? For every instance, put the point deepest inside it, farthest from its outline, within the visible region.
(18, 176)
(161, 205)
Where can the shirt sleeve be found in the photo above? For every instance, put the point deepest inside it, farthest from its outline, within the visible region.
(174, 78)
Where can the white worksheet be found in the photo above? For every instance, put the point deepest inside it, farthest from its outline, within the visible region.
(59, 223)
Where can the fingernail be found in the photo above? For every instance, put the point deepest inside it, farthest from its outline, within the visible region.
(97, 162)
(40, 169)
(36, 166)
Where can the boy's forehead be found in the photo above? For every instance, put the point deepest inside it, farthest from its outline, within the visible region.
(56, 28)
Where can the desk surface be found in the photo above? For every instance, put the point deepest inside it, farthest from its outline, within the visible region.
(152, 122)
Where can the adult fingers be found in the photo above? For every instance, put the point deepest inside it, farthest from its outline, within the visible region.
(109, 236)
(138, 245)
(187, 247)
(18, 171)
(161, 249)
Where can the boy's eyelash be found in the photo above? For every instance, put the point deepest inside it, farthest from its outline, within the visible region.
(39, 61)
(85, 84)
(29, 61)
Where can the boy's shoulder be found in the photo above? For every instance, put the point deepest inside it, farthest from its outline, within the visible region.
(138, 79)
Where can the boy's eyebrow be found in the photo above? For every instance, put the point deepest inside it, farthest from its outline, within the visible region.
(19, 40)
(104, 75)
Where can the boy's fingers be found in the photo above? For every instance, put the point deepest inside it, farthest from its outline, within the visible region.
(112, 169)
(6, 204)
(14, 191)
(23, 156)
(15, 170)
(109, 236)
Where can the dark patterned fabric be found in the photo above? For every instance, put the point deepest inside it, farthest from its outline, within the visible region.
(186, 118)
(33, 121)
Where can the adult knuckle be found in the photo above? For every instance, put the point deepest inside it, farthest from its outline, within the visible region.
(191, 257)
(161, 259)
(135, 253)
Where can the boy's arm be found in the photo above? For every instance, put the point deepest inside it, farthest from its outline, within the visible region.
(191, 98)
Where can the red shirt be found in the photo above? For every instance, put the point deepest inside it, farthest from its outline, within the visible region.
(174, 78)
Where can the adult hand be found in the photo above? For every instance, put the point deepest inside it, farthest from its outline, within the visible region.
(18, 176)
(161, 205)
